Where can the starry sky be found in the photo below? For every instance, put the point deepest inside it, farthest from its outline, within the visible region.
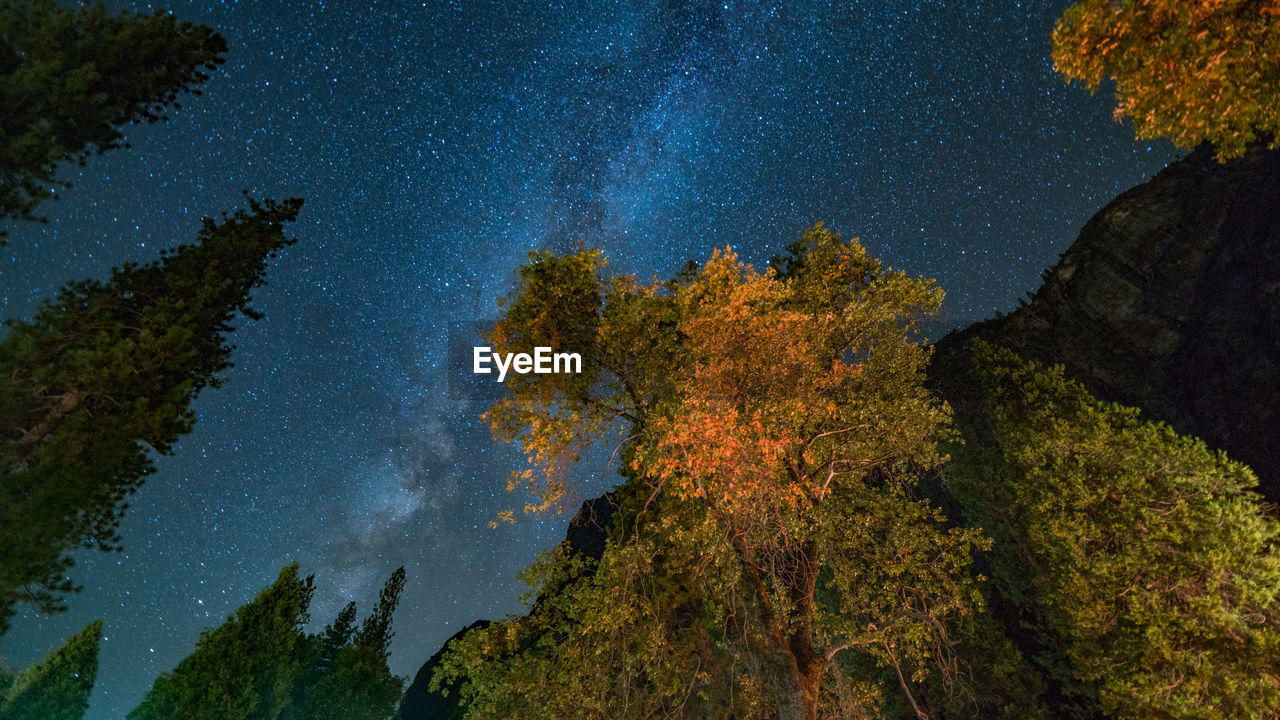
(436, 143)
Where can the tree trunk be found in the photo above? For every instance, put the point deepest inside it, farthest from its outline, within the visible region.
(796, 687)
(797, 707)
(797, 668)
(799, 701)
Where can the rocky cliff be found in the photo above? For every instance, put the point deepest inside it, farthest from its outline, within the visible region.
(1168, 301)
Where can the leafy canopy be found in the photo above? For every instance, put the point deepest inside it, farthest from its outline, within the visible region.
(774, 426)
(1144, 561)
(1189, 71)
(104, 374)
(70, 78)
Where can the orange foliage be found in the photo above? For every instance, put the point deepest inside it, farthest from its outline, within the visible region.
(1189, 71)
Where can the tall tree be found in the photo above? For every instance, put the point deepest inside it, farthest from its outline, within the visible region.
(375, 633)
(261, 665)
(1189, 71)
(104, 374)
(775, 426)
(358, 686)
(351, 679)
(70, 78)
(1142, 559)
(336, 636)
(58, 687)
(244, 669)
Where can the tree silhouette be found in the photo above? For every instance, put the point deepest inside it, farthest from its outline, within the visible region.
(104, 374)
(260, 664)
(58, 687)
(71, 78)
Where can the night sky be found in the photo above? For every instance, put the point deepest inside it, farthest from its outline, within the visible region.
(436, 144)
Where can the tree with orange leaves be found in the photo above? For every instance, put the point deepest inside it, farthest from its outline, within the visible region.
(770, 556)
(1189, 70)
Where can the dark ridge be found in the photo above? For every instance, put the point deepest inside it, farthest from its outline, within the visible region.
(1169, 301)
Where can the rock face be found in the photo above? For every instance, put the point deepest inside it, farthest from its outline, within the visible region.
(1168, 301)
(587, 533)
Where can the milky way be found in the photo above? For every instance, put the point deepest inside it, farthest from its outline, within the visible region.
(436, 144)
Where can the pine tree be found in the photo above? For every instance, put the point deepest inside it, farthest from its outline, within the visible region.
(336, 635)
(70, 78)
(375, 632)
(1143, 561)
(260, 665)
(103, 375)
(243, 670)
(58, 687)
(356, 684)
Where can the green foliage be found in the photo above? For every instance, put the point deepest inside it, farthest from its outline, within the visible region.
(375, 633)
(336, 635)
(103, 374)
(350, 679)
(1002, 683)
(58, 687)
(260, 665)
(621, 638)
(775, 426)
(71, 78)
(1190, 71)
(558, 307)
(358, 686)
(1141, 558)
(243, 669)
